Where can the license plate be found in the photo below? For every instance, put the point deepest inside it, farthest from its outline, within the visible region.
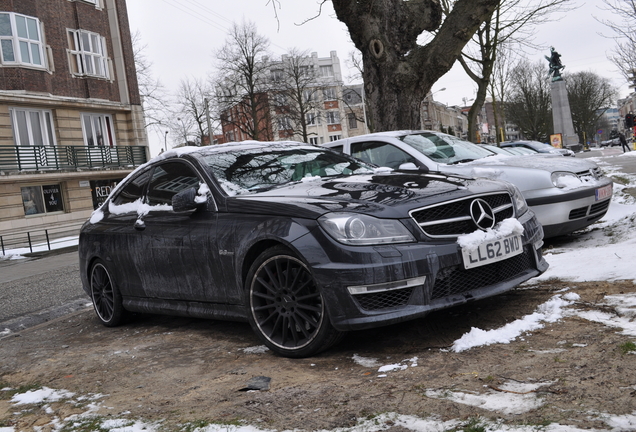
(492, 251)
(604, 192)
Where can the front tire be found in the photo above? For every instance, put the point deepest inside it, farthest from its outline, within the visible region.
(286, 309)
(106, 298)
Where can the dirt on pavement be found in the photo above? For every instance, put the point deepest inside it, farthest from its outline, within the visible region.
(192, 371)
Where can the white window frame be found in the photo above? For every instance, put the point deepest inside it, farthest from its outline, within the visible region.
(326, 71)
(311, 119)
(313, 141)
(88, 51)
(333, 138)
(92, 124)
(32, 127)
(330, 94)
(284, 123)
(332, 117)
(25, 42)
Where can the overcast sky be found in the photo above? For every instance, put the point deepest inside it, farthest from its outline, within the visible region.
(182, 35)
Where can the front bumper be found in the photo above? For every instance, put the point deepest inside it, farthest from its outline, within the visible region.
(375, 286)
(564, 213)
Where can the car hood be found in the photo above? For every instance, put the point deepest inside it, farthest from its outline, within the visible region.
(539, 163)
(528, 172)
(383, 195)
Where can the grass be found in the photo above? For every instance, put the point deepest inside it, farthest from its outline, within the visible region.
(472, 425)
(627, 347)
(93, 424)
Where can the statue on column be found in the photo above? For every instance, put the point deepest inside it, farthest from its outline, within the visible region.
(555, 65)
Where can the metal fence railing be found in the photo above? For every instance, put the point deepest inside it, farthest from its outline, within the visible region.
(38, 240)
(22, 158)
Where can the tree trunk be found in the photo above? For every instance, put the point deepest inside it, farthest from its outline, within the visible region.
(398, 73)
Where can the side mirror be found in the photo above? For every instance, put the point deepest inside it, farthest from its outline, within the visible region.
(183, 201)
(410, 166)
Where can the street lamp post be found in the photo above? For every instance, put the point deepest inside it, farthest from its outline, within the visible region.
(165, 141)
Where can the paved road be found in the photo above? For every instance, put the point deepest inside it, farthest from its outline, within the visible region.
(35, 290)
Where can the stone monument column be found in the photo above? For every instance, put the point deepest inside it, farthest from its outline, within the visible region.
(561, 113)
(562, 116)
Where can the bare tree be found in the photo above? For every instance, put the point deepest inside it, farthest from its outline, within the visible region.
(154, 98)
(529, 105)
(297, 94)
(189, 120)
(513, 22)
(398, 72)
(624, 33)
(242, 82)
(590, 95)
(500, 87)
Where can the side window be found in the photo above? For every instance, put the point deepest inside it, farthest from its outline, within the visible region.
(168, 179)
(382, 154)
(134, 190)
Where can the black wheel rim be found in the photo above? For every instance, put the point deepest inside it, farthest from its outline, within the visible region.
(285, 303)
(102, 293)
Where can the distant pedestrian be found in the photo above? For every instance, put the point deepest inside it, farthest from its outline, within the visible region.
(624, 145)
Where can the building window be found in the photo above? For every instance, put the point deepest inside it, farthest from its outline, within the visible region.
(311, 119)
(335, 137)
(352, 121)
(333, 117)
(330, 94)
(308, 95)
(98, 130)
(88, 52)
(313, 141)
(42, 199)
(21, 40)
(284, 123)
(277, 75)
(326, 71)
(32, 127)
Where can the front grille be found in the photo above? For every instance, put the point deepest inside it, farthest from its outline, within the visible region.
(595, 209)
(451, 219)
(599, 207)
(578, 213)
(384, 299)
(456, 279)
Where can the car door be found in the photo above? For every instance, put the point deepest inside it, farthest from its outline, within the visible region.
(179, 259)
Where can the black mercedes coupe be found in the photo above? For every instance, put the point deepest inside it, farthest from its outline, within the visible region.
(302, 242)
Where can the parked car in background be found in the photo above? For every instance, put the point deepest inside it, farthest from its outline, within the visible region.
(303, 242)
(611, 142)
(537, 146)
(566, 194)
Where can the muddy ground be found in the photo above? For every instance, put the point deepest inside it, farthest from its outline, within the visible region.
(191, 371)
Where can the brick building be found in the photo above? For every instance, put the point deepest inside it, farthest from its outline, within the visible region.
(71, 123)
(336, 110)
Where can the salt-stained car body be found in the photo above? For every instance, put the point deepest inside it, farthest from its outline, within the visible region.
(566, 194)
(302, 242)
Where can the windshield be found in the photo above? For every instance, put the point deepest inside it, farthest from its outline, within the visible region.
(241, 171)
(443, 148)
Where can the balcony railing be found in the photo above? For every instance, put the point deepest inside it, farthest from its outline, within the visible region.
(37, 158)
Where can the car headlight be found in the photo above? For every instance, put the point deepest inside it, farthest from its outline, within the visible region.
(359, 229)
(563, 179)
(520, 202)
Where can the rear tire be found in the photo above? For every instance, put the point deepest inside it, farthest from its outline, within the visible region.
(286, 309)
(106, 298)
